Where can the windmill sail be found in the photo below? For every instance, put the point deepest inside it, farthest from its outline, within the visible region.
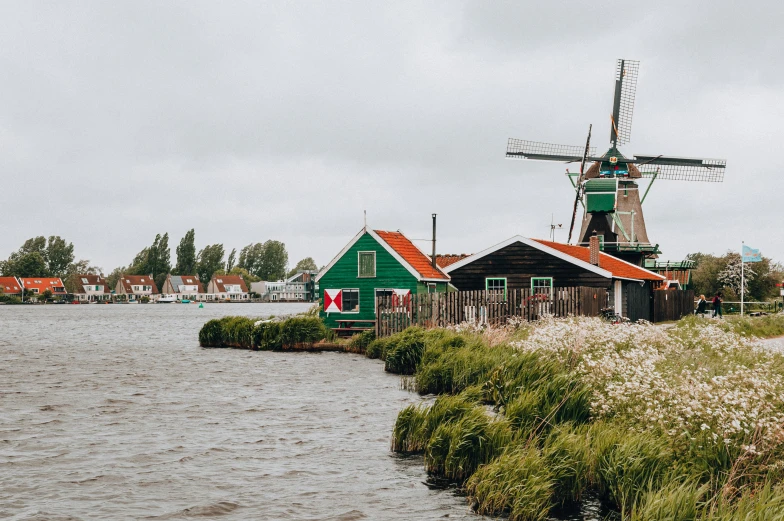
(623, 102)
(522, 149)
(681, 168)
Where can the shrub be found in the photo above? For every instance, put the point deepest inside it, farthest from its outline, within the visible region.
(378, 348)
(302, 330)
(238, 331)
(405, 351)
(266, 336)
(359, 342)
(211, 334)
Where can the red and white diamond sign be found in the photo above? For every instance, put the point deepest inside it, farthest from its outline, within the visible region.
(333, 300)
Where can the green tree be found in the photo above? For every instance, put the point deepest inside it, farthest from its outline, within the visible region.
(186, 254)
(72, 280)
(231, 260)
(161, 261)
(210, 260)
(59, 256)
(30, 264)
(251, 258)
(306, 264)
(154, 260)
(274, 259)
(114, 277)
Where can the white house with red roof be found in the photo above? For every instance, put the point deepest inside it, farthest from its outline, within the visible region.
(228, 288)
(541, 266)
(134, 288)
(39, 285)
(91, 288)
(10, 286)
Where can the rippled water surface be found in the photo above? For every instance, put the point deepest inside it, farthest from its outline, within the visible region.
(114, 412)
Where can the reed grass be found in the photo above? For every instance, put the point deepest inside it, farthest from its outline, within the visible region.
(244, 332)
(519, 484)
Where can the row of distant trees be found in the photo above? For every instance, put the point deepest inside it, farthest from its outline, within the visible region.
(714, 273)
(54, 257)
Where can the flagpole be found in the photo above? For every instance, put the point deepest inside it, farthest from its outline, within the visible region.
(742, 278)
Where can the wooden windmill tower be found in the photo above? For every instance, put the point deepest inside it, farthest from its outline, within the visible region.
(609, 189)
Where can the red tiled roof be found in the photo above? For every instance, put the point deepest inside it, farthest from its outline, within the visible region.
(607, 262)
(92, 280)
(10, 286)
(450, 258)
(412, 255)
(222, 280)
(44, 283)
(128, 281)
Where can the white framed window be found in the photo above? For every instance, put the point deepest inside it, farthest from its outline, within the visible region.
(84, 280)
(350, 300)
(366, 262)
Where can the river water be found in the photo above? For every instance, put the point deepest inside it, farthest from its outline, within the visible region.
(115, 412)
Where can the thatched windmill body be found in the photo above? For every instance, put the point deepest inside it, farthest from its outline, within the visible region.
(609, 188)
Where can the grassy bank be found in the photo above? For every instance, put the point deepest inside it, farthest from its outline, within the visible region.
(680, 423)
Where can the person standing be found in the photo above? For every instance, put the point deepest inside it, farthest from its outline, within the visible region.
(701, 305)
(717, 305)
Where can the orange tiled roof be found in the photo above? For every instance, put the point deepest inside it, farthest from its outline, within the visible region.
(450, 258)
(53, 284)
(222, 280)
(607, 262)
(10, 286)
(412, 255)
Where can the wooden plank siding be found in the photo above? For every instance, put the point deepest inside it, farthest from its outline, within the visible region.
(390, 274)
(431, 310)
(672, 304)
(518, 263)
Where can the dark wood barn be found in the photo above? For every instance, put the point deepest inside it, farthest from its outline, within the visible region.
(520, 263)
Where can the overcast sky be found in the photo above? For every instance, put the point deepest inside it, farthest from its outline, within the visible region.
(251, 121)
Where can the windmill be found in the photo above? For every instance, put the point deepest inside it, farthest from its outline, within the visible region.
(608, 190)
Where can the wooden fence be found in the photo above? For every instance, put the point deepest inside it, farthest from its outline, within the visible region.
(672, 304)
(394, 314)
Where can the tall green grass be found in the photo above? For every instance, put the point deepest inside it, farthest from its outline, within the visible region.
(243, 332)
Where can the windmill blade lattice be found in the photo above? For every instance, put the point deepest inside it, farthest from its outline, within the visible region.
(522, 149)
(681, 168)
(625, 73)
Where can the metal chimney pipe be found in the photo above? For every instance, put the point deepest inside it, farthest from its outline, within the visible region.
(433, 258)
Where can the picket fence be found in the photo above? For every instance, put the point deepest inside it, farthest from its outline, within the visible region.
(428, 310)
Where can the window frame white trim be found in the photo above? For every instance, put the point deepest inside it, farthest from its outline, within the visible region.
(359, 265)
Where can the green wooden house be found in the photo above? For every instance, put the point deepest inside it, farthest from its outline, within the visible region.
(374, 263)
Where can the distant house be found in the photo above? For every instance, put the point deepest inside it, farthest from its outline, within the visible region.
(134, 287)
(10, 286)
(228, 287)
(92, 288)
(374, 263)
(541, 266)
(39, 285)
(183, 286)
(300, 287)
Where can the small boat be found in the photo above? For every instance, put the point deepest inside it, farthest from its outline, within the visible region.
(167, 299)
(185, 301)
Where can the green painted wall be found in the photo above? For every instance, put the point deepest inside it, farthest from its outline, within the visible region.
(390, 274)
